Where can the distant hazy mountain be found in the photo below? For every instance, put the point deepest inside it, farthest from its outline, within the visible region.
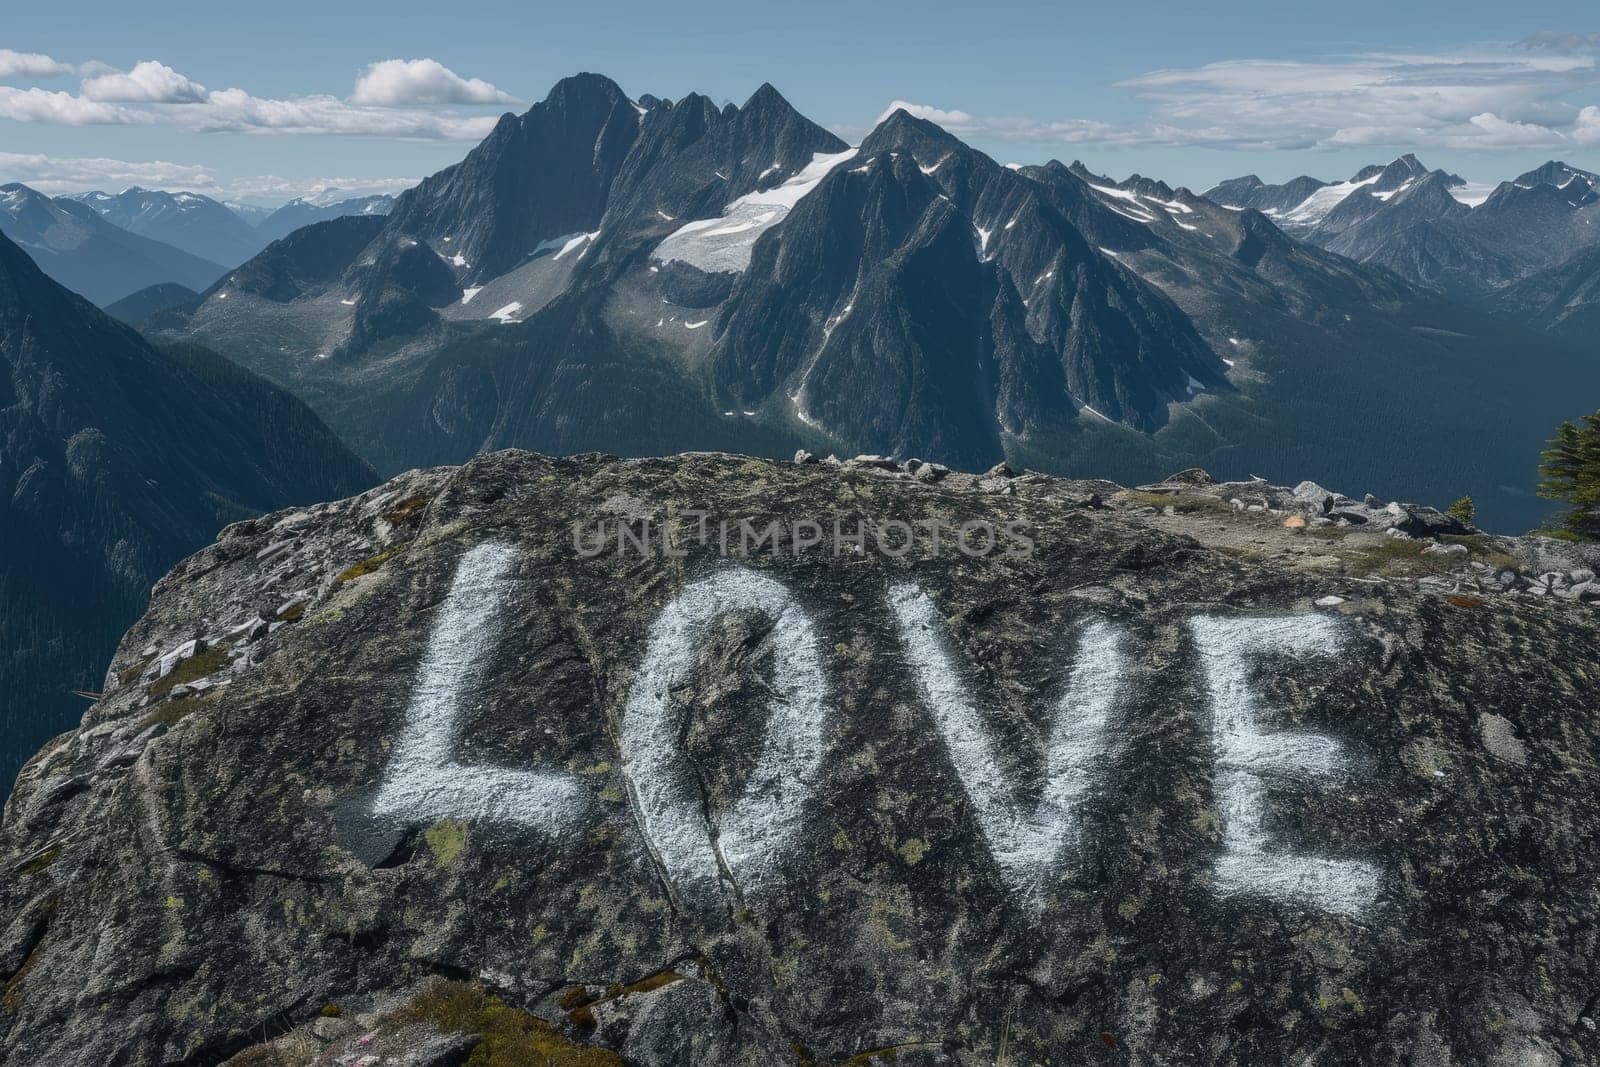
(227, 234)
(1307, 204)
(646, 275)
(253, 214)
(297, 213)
(73, 244)
(1564, 299)
(135, 308)
(118, 459)
(196, 224)
(1429, 227)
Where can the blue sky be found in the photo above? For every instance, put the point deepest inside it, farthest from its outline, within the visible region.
(266, 101)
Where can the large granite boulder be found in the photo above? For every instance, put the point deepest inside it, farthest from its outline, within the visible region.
(716, 760)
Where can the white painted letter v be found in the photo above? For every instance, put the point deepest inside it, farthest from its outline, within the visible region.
(1024, 844)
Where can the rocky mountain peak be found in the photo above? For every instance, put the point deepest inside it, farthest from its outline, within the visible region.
(768, 101)
(584, 90)
(1555, 172)
(545, 174)
(903, 131)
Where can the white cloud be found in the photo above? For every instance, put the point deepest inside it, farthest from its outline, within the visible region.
(43, 105)
(1564, 42)
(403, 82)
(236, 110)
(268, 188)
(148, 82)
(56, 176)
(1050, 131)
(1587, 129)
(30, 65)
(1481, 98)
(954, 121)
(1487, 97)
(153, 92)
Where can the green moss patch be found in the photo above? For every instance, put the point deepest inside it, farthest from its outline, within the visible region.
(1397, 556)
(508, 1037)
(579, 1003)
(173, 712)
(129, 675)
(446, 840)
(1484, 549)
(40, 862)
(368, 565)
(195, 667)
(1182, 503)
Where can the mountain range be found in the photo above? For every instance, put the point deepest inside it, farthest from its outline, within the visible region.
(118, 458)
(94, 257)
(108, 247)
(1433, 229)
(646, 275)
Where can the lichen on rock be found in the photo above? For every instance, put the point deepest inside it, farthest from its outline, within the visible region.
(866, 798)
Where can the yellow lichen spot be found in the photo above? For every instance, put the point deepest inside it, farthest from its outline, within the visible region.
(841, 648)
(841, 840)
(538, 934)
(1235, 986)
(1352, 1000)
(602, 767)
(824, 895)
(173, 902)
(611, 794)
(1130, 908)
(913, 850)
(446, 838)
(1153, 981)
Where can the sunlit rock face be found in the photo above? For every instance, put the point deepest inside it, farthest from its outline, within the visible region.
(720, 760)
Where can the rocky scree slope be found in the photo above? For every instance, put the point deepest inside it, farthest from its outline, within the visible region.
(1220, 773)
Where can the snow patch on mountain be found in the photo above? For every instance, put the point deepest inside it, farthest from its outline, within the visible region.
(1314, 208)
(723, 244)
